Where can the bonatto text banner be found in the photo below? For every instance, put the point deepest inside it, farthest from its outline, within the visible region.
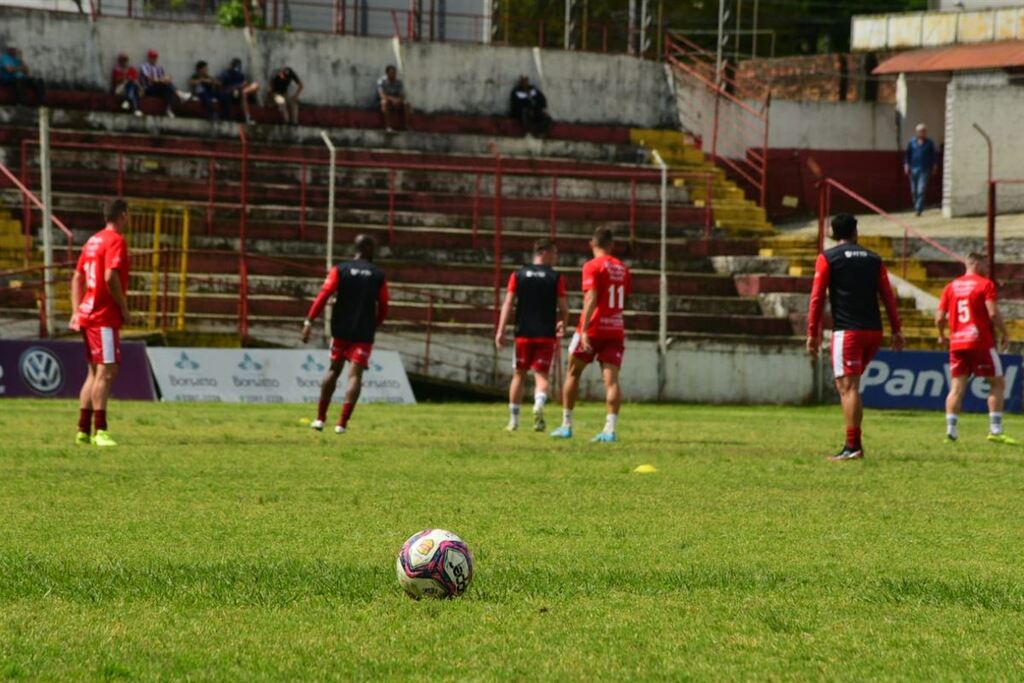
(269, 376)
(56, 369)
(920, 380)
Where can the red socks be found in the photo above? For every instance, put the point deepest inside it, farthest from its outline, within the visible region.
(346, 413)
(321, 409)
(853, 437)
(100, 417)
(84, 420)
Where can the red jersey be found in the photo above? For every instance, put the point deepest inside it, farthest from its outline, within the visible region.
(119, 75)
(611, 282)
(963, 300)
(105, 251)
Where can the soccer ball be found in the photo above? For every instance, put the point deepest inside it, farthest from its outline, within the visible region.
(434, 563)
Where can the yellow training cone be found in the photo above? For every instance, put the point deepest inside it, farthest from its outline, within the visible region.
(645, 469)
(304, 421)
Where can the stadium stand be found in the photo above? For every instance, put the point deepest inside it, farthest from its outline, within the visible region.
(427, 195)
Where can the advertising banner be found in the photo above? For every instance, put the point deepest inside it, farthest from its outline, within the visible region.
(920, 380)
(269, 376)
(56, 369)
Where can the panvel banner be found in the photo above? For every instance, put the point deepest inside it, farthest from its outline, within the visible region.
(920, 380)
(56, 369)
(269, 376)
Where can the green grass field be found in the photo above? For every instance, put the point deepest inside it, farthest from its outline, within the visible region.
(231, 543)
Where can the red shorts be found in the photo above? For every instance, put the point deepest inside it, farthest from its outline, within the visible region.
(608, 350)
(102, 345)
(534, 353)
(357, 353)
(977, 362)
(852, 350)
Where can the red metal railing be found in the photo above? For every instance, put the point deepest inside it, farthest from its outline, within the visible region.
(825, 187)
(228, 176)
(29, 199)
(738, 113)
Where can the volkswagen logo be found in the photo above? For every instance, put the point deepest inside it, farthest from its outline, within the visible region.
(41, 370)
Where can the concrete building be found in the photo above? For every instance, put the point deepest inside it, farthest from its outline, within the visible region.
(956, 73)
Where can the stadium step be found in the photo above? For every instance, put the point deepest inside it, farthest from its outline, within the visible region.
(738, 215)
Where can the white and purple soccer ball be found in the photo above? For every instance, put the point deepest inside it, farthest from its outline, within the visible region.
(436, 564)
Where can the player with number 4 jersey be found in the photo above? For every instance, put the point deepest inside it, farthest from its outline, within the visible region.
(99, 307)
(968, 306)
(601, 334)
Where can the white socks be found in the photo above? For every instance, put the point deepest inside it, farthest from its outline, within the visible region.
(995, 423)
(951, 424)
(567, 418)
(540, 399)
(513, 414)
(610, 422)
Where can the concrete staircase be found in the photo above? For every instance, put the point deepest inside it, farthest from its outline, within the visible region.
(732, 210)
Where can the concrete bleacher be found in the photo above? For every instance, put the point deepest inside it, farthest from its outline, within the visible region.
(427, 234)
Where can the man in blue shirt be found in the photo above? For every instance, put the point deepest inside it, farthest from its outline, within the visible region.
(14, 73)
(236, 87)
(921, 163)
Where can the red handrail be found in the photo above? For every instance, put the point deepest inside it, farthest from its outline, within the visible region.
(825, 204)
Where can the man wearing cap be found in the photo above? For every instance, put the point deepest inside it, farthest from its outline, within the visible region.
(920, 165)
(124, 84)
(157, 82)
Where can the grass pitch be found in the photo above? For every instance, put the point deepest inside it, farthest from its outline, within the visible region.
(231, 543)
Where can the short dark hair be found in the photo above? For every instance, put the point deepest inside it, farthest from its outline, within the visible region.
(603, 237)
(976, 257)
(390, 67)
(542, 245)
(844, 226)
(115, 209)
(201, 64)
(365, 246)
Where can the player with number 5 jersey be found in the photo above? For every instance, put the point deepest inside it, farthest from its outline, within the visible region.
(968, 306)
(601, 333)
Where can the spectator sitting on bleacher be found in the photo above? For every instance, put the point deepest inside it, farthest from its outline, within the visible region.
(236, 87)
(392, 98)
(528, 105)
(206, 89)
(287, 104)
(15, 73)
(157, 82)
(124, 83)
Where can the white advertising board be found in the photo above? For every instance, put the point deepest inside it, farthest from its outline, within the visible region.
(269, 376)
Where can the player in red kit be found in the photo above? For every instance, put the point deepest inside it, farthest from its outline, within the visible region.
(99, 307)
(601, 334)
(854, 278)
(968, 306)
(541, 310)
(360, 308)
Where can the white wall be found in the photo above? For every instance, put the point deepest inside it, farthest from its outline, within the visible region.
(792, 124)
(341, 70)
(988, 100)
(705, 372)
(832, 125)
(921, 98)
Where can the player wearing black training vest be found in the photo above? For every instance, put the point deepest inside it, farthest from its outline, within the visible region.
(855, 278)
(541, 310)
(360, 308)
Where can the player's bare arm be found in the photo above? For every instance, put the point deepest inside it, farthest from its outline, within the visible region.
(117, 294)
(940, 325)
(506, 312)
(589, 304)
(563, 316)
(1002, 334)
(77, 291)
